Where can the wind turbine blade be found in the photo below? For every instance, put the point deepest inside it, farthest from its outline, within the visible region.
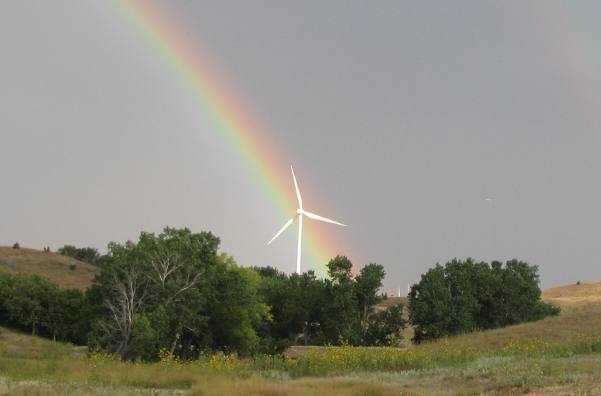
(281, 230)
(320, 218)
(299, 247)
(298, 196)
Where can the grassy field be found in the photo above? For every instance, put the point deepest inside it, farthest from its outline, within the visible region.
(64, 271)
(558, 356)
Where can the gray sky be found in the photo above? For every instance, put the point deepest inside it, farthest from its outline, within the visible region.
(401, 118)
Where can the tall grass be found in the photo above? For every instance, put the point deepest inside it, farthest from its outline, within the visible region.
(32, 357)
(335, 371)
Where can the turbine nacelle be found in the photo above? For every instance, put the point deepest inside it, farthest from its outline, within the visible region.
(299, 215)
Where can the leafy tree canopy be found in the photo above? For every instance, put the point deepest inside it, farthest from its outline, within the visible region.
(466, 295)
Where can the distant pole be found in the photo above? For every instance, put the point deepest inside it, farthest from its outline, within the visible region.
(399, 292)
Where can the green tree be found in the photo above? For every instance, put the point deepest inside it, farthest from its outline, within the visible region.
(143, 343)
(340, 269)
(462, 278)
(430, 305)
(296, 305)
(386, 327)
(191, 298)
(6, 293)
(178, 264)
(341, 321)
(29, 301)
(521, 293)
(120, 288)
(63, 313)
(236, 310)
(87, 254)
(367, 284)
(278, 291)
(68, 250)
(465, 296)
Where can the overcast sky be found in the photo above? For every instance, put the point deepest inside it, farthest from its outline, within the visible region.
(401, 119)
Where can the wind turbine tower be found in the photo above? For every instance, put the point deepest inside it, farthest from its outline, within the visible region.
(300, 212)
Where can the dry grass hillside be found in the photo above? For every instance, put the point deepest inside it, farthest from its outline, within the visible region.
(574, 295)
(62, 270)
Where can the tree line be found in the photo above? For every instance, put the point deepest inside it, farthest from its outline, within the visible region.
(464, 296)
(175, 292)
(34, 304)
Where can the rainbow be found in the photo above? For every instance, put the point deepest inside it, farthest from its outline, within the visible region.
(244, 134)
(575, 45)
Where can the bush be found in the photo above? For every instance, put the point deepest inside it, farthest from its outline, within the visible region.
(16, 245)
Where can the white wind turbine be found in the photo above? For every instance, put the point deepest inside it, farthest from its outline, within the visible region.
(300, 212)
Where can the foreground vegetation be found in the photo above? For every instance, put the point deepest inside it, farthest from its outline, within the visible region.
(558, 355)
(168, 314)
(174, 291)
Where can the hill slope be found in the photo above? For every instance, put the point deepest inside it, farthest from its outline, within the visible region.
(64, 271)
(580, 317)
(574, 295)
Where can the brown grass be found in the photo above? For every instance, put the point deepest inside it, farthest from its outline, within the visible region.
(216, 386)
(52, 266)
(574, 295)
